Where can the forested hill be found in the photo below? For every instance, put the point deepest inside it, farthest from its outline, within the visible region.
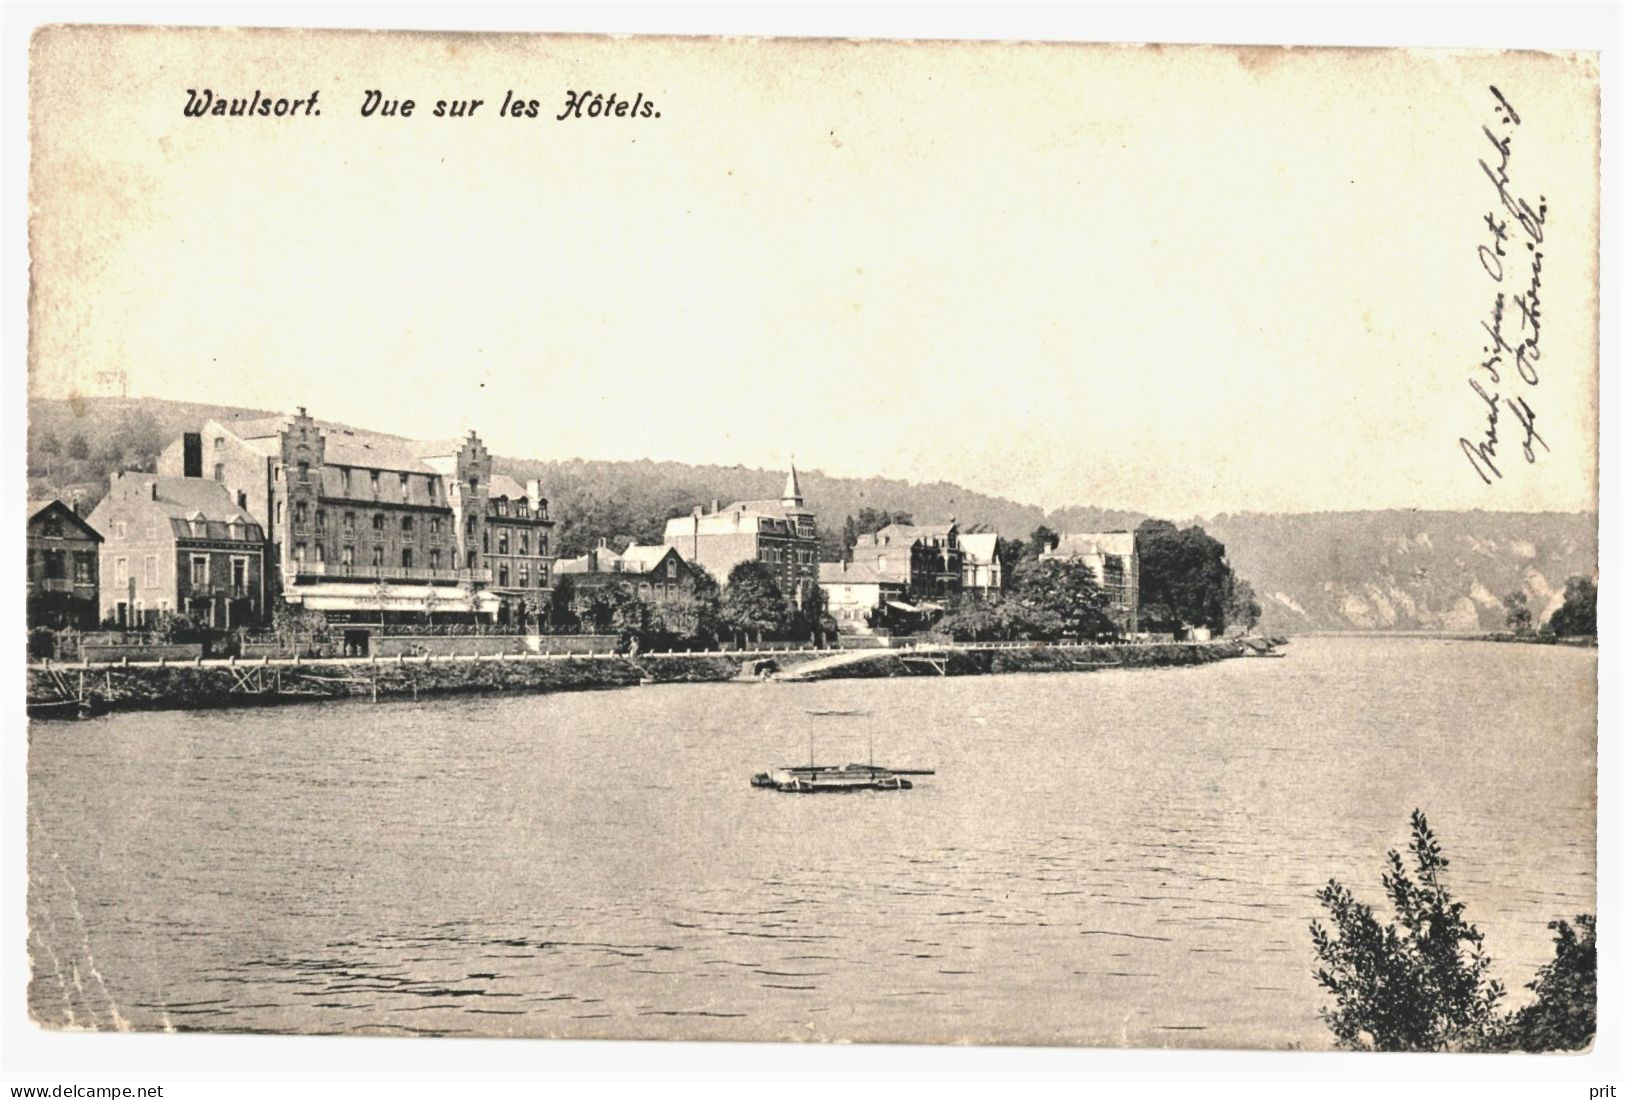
(1394, 570)
(1406, 570)
(634, 499)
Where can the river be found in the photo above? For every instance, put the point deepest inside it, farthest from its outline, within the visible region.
(1103, 858)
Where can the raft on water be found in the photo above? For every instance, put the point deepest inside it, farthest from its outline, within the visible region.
(833, 779)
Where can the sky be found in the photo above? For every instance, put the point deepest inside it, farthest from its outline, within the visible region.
(1182, 281)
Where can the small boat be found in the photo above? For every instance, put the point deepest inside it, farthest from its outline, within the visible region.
(813, 778)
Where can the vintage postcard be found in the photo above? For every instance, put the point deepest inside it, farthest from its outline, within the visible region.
(812, 540)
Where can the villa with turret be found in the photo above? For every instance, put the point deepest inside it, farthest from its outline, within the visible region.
(779, 533)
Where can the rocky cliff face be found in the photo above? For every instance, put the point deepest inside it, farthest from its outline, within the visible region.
(1402, 570)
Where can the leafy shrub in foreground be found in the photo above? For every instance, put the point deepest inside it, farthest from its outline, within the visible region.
(1422, 982)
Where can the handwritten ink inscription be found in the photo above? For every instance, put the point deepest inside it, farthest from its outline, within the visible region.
(1511, 364)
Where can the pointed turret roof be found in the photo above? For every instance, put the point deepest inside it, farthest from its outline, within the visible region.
(792, 486)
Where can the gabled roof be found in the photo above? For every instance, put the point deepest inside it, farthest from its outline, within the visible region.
(182, 499)
(774, 508)
(504, 486)
(645, 559)
(607, 560)
(36, 508)
(856, 572)
(1090, 544)
(907, 534)
(891, 562)
(347, 446)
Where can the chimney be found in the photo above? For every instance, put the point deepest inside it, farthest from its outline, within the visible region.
(698, 511)
(302, 410)
(716, 505)
(192, 454)
(533, 490)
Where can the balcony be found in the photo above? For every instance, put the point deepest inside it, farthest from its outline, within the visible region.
(328, 570)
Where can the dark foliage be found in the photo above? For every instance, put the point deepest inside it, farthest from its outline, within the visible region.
(1184, 577)
(1241, 609)
(1046, 600)
(1578, 616)
(753, 605)
(1421, 983)
(1519, 617)
(1564, 1014)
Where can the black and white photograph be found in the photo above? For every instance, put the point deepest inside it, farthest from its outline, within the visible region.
(788, 540)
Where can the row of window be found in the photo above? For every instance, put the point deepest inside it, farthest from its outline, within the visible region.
(199, 571)
(504, 574)
(408, 560)
(778, 556)
(431, 484)
(521, 507)
(197, 528)
(505, 541)
(645, 591)
(55, 565)
(149, 577)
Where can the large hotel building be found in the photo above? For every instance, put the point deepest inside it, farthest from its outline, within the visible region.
(361, 525)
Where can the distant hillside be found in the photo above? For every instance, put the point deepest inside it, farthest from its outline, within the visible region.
(1406, 570)
(593, 499)
(74, 445)
(1388, 570)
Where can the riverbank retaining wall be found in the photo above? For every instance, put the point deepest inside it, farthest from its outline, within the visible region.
(982, 662)
(72, 689)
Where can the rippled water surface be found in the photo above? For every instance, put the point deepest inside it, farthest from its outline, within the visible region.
(1103, 858)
